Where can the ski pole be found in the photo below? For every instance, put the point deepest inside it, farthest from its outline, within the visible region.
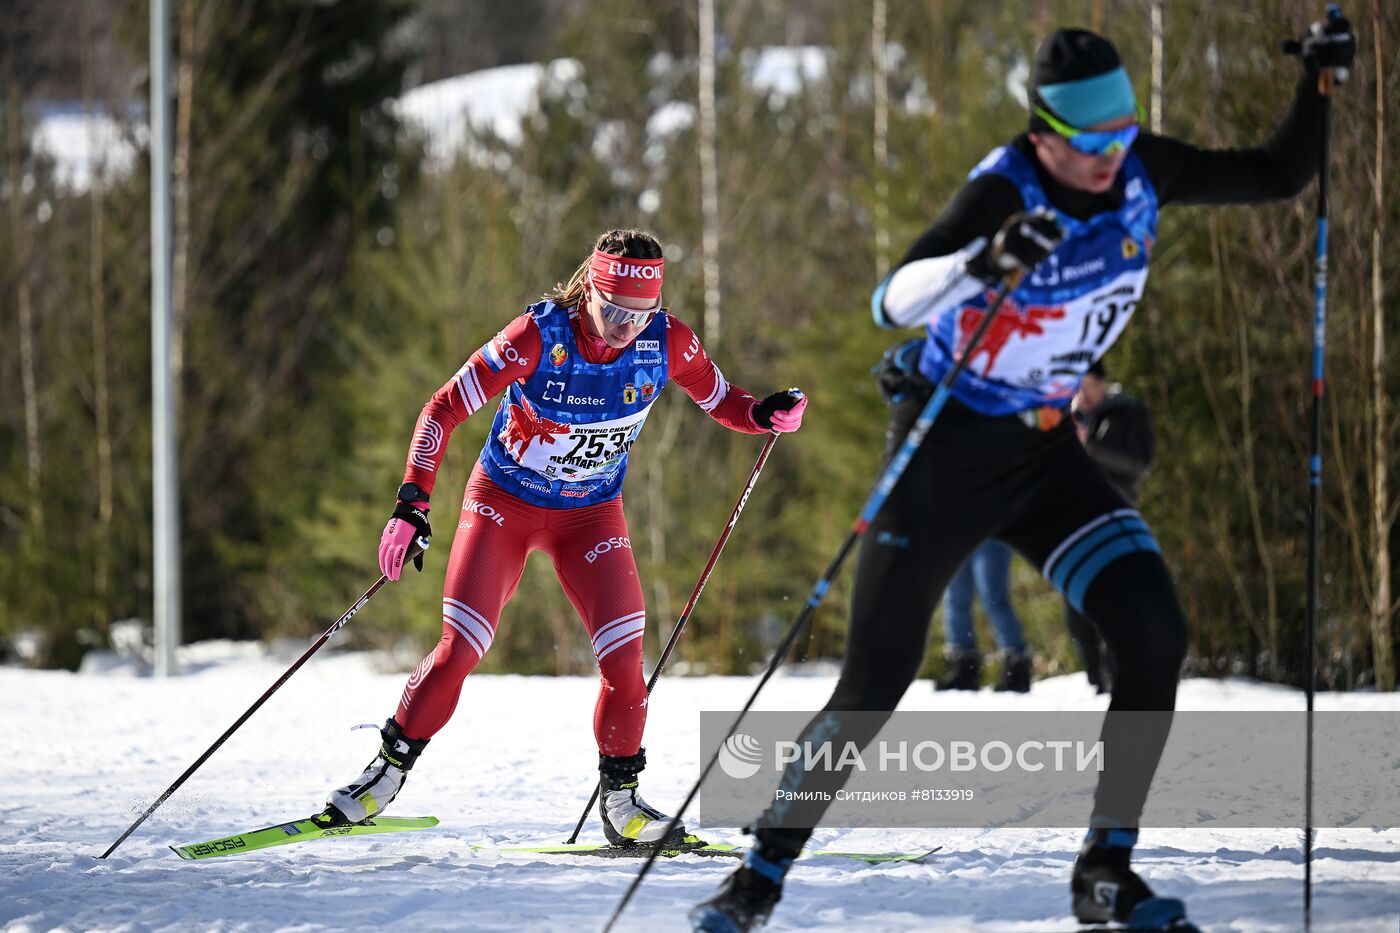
(1327, 78)
(883, 486)
(694, 598)
(418, 547)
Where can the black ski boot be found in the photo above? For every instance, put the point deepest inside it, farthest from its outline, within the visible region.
(1015, 672)
(745, 898)
(964, 671)
(1105, 889)
(627, 818)
(380, 783)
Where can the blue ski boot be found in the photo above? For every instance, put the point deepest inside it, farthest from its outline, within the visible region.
(746, 898)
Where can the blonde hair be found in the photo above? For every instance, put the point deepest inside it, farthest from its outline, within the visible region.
(628, 241)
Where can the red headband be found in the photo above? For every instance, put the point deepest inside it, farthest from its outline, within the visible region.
(624, 276)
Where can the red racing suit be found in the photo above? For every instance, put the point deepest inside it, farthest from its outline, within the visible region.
(589, 545)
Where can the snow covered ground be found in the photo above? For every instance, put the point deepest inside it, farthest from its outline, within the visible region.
(88, 752)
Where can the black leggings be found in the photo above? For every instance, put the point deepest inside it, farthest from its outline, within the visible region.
(973, 478)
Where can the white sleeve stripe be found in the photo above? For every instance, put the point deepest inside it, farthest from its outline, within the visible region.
(469, 388)
(464, 390)
(618, 644)
(721, 390)
(615, 622)
(926, 288)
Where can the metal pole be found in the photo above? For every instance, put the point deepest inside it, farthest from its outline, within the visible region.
(1158, 78)
(878, 40)
(709, 175)
(1315, 475)
(1327, 79)
(165, 474)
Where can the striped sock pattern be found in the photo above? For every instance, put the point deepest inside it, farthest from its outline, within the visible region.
(1085, 553)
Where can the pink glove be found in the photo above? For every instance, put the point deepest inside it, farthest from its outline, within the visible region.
(410, 521)
(785, 422)
(781, 411)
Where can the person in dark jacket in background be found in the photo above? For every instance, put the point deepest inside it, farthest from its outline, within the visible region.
(1116, 431)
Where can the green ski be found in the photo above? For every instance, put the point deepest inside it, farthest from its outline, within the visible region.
(298, 831)
(875, 858)
(708, 850)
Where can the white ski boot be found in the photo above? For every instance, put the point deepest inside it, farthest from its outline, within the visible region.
(381, 781)
(627, 818)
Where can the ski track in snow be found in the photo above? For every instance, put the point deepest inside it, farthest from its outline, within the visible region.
(514, 768)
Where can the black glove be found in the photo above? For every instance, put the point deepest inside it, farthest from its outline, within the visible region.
(786, 400)
(418, 518)
(1020, 245)
(898, 373)
(1329, 45)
